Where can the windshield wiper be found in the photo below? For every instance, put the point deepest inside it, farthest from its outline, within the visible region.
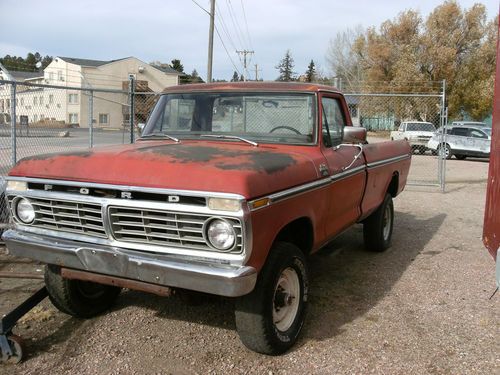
(220, 136)
(161, 135)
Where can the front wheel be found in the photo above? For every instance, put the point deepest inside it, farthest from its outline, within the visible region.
(445, 151)
(81, 299)
(377, 228)
(270, 318)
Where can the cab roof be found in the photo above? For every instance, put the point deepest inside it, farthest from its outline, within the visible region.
(252, 87)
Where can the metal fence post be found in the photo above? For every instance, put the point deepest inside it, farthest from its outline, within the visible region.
(132, 111)
(91, 121)
(13, 134)
(444, 122)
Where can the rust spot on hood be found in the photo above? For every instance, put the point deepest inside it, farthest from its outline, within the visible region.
(222, 158)
(78, 154)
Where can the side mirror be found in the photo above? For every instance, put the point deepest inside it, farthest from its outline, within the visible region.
(354, 134)
(141, 126)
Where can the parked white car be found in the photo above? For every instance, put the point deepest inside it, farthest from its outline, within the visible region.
(417, 133)
(468, 123)
(462, 141)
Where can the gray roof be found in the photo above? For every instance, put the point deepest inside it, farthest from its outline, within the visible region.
(21, 76)
(86, 62)
(168, 70)
(96, 63)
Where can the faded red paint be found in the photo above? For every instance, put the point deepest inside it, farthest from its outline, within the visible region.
(215, 166)
(491, 230)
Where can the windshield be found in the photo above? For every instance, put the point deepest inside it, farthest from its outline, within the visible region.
(487, 131)
(420, 127)
(267, 117)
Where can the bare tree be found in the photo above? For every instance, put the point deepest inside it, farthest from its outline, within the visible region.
(342, 58)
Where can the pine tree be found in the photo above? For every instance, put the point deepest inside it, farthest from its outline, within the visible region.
(195, 77)
(285, 68)
(176, 64)
(311, 72)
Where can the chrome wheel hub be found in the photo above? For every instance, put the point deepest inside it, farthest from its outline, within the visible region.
(286, 299)
(387, 221)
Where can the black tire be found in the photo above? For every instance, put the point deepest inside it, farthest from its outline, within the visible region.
(81, 299)
(269, 320)
(377, 228)
(446, 150)
(460, 157)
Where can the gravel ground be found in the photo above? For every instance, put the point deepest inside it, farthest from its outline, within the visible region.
(422, 307)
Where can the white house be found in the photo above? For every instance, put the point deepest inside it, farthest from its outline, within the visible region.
(75, 78)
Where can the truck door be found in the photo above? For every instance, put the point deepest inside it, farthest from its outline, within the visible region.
(480, 141)
(458, 139)
(348, 176)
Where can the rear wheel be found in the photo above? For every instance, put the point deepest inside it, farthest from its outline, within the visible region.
(81, 299)
(377, 228)
(270, 318)
(445, 151)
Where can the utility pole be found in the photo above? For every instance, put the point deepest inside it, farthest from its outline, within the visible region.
(257, 70)
(211, 41)
(245, 53)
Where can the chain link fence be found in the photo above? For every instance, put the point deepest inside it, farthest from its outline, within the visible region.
(414, 117)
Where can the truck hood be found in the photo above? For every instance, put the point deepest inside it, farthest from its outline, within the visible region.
(226, 167)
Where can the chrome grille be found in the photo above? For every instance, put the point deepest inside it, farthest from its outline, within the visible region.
(67, 216)
(165, 228)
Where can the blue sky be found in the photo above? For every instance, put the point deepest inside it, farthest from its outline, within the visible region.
(165, 29)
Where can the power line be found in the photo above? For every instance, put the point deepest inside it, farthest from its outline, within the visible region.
(235, 23)
(199, 6)
(227, 52)
(224, 26)
(246, 23)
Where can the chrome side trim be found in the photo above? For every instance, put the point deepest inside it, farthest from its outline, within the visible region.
(180, 272)
(289, 193)
(379, 163)
(348, 173)
(193, 193)
(298, 190)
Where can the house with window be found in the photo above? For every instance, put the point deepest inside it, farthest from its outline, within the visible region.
(79, 79)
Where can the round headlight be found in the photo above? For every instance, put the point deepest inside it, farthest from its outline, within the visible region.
(25, 211)
(221, 234)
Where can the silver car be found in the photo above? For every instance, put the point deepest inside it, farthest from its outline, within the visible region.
(462, 141)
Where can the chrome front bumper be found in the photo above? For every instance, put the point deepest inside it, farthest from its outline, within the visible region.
(219, 279)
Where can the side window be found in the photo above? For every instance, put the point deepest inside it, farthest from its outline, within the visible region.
(176, 116)
(477, 134)
(333, 120)
(463, 132)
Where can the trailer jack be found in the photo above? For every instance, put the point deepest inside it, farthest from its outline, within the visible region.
(11, 346)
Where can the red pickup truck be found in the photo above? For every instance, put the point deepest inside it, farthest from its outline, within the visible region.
(228, 191)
